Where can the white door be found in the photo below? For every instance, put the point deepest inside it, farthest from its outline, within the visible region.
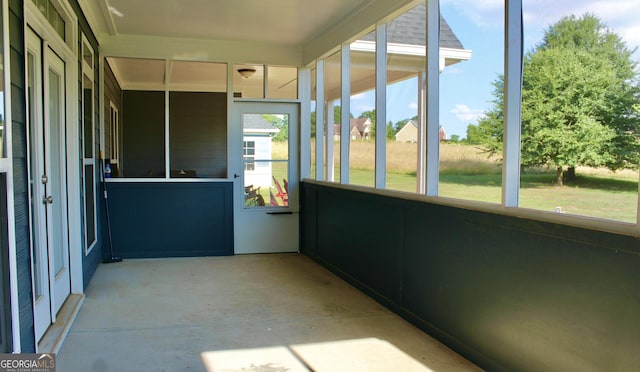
(266, 171)
(47, 181)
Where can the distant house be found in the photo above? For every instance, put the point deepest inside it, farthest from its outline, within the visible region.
(257, 135)
(409, 133)
(360, 128)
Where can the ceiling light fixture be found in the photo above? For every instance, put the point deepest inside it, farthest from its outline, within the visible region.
(246, 72)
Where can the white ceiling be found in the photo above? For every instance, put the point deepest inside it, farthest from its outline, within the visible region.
(289, 22)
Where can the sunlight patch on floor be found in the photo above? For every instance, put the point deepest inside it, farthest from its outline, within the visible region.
(367, 354)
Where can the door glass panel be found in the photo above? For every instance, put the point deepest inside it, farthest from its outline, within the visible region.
(35, 257)
(57, 169)
(265, 159)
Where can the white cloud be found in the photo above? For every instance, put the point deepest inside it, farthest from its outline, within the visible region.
(466, 114)
(486, 13)
(620, 15)
(413, 106)
(364, 108)
(452, 70)
(358, 96)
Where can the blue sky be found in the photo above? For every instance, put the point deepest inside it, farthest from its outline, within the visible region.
(465, 88)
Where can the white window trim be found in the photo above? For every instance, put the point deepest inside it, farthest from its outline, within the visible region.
(88, 71)
(115, 133)
(428, 184)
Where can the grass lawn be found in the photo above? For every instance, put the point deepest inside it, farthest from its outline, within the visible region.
(466, 173)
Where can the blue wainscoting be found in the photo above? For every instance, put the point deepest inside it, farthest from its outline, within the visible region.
(170, 219)
(507, 293)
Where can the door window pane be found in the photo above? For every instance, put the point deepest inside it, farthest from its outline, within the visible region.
(33, 102)
(266, 159)
(57, 170)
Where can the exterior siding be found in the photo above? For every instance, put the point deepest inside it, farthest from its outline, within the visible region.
(20, 185)
(90, 261)
(5, 300)
(507, 293)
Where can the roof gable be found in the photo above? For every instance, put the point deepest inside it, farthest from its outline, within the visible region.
(410, 29)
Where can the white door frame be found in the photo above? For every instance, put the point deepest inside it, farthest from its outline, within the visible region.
(41, 304)
(67, 51)
(48, 183)
(264, 229)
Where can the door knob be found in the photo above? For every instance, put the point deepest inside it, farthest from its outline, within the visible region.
(235, 175)
(47, 199)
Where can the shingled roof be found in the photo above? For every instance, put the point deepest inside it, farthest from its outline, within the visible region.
(257, 122)
(410, 29)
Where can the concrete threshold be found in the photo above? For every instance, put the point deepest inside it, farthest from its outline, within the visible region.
(53, 338)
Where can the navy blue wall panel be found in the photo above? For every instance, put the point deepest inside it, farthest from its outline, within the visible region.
(360, 233)
(91, 260)
(19, 135)
(171, 219)
(508, 293)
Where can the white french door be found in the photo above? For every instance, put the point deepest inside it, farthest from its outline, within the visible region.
(47, 180)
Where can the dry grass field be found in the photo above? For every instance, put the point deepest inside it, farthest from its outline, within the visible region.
(467, 173)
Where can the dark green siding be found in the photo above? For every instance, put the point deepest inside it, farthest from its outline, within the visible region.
(20, 189)
(198, 133)
(166, 219)
(143, 134)
(508, 293)
(5, 299)
(90, 262)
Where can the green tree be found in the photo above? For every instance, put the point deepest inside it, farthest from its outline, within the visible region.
(337, 114)
(390, 130)
(579, 93)
(454, 138)
(280, 122)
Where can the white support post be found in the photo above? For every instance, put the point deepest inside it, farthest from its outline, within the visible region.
(304, 92)
(328, 109)
(432, 97)
(421, 166)
(512, 103)
(167, 143)
(345, 110)
(320, 110)
(381, 106)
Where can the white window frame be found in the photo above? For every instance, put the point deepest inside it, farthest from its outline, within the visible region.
(428, 183)
(88, 71)
(114, 120)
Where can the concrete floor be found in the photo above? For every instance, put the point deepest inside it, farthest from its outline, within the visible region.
(275, 312)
